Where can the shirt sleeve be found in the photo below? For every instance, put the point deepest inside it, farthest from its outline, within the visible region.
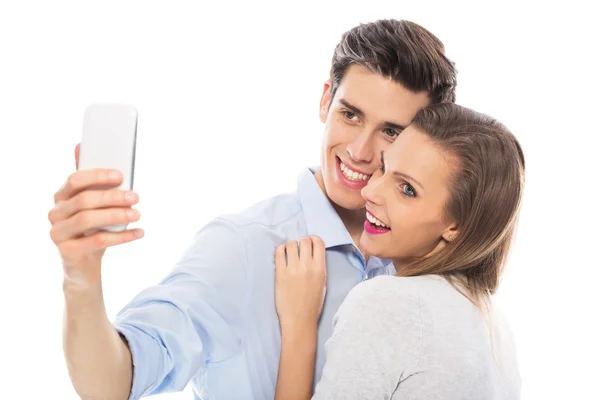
(376, 342)
(192, 317)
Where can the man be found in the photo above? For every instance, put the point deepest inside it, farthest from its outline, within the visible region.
(212, 320)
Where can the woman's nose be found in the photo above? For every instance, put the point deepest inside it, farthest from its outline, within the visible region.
(371, 192)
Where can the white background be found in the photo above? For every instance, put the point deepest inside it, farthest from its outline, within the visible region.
(228, 100)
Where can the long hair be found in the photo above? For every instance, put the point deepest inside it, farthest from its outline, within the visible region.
(485, 198)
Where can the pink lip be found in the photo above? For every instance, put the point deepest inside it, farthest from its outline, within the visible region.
(355, 185)
(374, 231)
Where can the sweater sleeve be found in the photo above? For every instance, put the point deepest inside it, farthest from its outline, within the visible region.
(376, 341)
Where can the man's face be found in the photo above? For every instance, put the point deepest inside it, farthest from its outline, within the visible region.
(366, 115)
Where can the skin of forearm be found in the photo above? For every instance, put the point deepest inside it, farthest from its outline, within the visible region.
(297, 364)
(98, 359)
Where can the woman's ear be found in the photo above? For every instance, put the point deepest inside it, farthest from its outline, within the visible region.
(450, 233)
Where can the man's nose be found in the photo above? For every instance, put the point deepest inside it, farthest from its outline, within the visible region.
(361, 148)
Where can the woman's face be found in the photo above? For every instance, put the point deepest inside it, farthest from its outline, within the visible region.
(407, 196)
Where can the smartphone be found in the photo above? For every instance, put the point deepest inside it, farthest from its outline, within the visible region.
(109, 141)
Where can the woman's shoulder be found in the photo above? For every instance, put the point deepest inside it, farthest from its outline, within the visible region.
(385, 298)
(388, 296)
(403, 288)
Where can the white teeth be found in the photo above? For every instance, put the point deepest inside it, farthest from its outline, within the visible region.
(375, 221)
(353, 175)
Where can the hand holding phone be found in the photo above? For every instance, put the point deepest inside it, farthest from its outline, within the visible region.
(93, 207)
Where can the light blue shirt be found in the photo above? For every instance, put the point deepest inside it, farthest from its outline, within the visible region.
(212, 320)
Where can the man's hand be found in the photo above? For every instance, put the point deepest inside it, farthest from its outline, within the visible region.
(80, 207)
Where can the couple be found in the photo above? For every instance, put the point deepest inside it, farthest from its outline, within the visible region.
(442, 186)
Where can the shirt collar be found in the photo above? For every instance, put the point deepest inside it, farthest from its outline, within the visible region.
(321, 218)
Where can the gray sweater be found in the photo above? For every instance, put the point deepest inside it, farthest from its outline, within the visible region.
(417, 338)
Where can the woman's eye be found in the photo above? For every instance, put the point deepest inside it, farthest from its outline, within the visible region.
(408, 190)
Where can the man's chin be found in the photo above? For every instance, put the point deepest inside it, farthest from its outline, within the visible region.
(350, 202)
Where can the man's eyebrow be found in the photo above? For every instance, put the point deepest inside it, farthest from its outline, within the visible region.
(353, 108)
(393, 125)
(361, 114)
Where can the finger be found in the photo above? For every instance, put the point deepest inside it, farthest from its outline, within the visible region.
(84, 179)
(92, 199)
(98, 241)
(84, 221)
(305, 252)
(77, 155)
(280, 263)
(318, 251)
(291, 250)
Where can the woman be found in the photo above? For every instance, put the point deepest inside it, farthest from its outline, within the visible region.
(444, 208)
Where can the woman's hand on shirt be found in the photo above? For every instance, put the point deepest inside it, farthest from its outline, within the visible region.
(300, 282)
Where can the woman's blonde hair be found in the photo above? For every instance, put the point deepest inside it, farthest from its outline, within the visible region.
(485, 197)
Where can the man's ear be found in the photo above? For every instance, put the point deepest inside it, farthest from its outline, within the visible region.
(325, 102)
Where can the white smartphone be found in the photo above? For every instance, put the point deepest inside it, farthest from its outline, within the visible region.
(109, 141)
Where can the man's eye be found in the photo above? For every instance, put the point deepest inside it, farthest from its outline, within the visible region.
(392, 133)
(349, 115)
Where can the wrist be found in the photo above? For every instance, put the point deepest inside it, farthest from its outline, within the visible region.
(78, 295)
(294, 332)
